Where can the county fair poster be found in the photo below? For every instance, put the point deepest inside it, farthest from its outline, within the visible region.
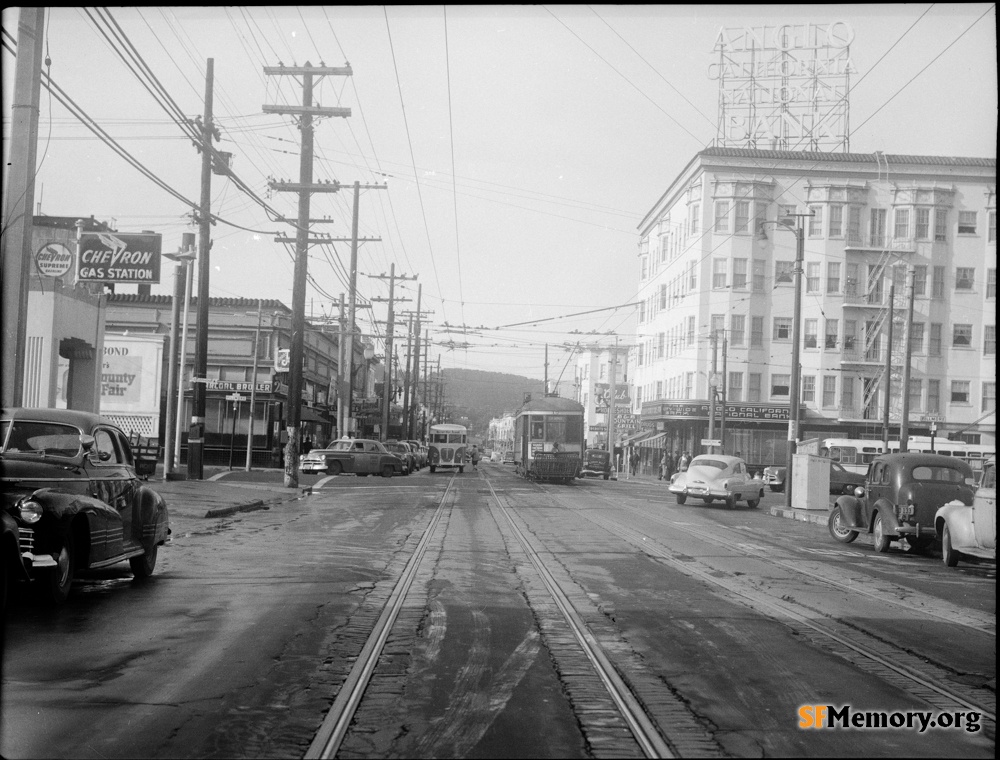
(130, 375)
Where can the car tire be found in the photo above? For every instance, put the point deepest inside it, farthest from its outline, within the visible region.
(949, 554)
(681, 498)
(839, 532)
(433, 469)
(777, 489)
(731, 501)
(334, 468)
(754, 502)
(606, 477)
(57, 581)
(142, 567)
(882, 541)
(388, 471)
(461, 470)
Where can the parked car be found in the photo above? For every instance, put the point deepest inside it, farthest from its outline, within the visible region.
(900, 498)
(420, 451)
(405, 454)
(596, 464)
(715, 477)
(361, 456)
(842, 480)
(970, 531)
(508, 457)
(71, 488)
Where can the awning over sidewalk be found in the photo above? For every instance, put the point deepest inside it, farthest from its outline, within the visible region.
(635, 437)
(654, 441)
(310, 415)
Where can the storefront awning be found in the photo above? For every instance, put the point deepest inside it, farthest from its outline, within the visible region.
(653, 441)
(629, 440)
(310, 415)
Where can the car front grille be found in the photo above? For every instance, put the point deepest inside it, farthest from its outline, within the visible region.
(26, 540)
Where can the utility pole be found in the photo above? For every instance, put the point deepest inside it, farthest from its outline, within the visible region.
(904, 424)
(713, 384)
(722, 394)
(196, 433)
(253, 388)
(406, 379)
(410, 414)
(611, 404)
(887, 372)
(20, 198)
(341, 385)
(305, 188)
(390, 326)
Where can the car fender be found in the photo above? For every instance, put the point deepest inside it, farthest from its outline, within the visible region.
(958, 517)
(154, 517)
(885, 508)
(852, 511)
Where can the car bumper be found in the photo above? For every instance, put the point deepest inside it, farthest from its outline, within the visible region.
(699, 493)
(313, 467)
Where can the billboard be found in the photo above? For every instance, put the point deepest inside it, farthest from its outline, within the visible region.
(119, 257)
(131, 370)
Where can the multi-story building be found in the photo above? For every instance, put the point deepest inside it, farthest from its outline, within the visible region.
(717, 279)
(593, 391)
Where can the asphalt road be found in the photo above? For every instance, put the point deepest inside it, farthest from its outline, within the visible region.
(723, 624)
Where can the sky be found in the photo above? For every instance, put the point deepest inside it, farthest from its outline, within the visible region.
(519, 146)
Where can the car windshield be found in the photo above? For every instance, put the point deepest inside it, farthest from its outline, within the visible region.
(939, 474)
(716, 463)
(40, 438)
(342, 446)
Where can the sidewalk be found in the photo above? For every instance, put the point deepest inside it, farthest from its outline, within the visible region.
(210, 497)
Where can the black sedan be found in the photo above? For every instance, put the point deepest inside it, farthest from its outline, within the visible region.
(71, 488)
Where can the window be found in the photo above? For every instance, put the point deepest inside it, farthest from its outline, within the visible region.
(833, 277)
(966, 222)
(756, 332)
(734, 392)
(753, 387)
(877, 226)
(693, 214)
(812, 277)
(850, 333)
(934, 346)
(961, 336)
(989, 339)
(737, 330)
(941, 225)
(105, 445)
(787, 214)
(811, 333)
(688, 384)
(917, 338)
(642, 311)
(901, 229)
(692, 275)
(854, 224)
(836, 221)
(690, 331)
(989, 396)
(663, 297)
(782, 328)
(937, 284)
(718, 326)
(808, 389)
(783, 271)
(757, 272)
(923, 224)
(965, 278)
(960, 391)
(742, 216)
(659, 389)
(916, 394)
(816, 221)
(829, 391)
(832, 328)
(722, 216)
(660, 341)
(991, 283)
(920, 280)
(933, 396)
(739, 273)
(643, 268)
(759, 215)
(779, 385)
(991, 226)
(719, 273)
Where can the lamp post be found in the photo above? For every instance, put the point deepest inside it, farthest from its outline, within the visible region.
(793, 387)
(175, 373)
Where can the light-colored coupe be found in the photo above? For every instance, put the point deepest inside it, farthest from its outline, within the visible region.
(715, 477)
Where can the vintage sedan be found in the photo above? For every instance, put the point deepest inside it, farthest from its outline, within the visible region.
(420, 451)
(970, 531)
(900, 498)
(842, 480)
(405, 454)
(716, 477)
(70, 486)
(361, 456)
(596, 464)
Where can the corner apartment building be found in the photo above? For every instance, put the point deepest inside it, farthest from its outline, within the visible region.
(717, 298)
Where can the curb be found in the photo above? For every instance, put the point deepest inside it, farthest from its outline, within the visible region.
(819, 517)
(247, 506)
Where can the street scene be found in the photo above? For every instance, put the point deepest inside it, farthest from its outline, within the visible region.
(514, 381)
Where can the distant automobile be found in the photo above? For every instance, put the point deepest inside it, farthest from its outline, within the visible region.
(900, 499)
(970, 531)
(360, 456)
(420, 451)
(405, 454)
(715, 477)
(71, 488)
(508, 457)
(841, 480)
(596, 464)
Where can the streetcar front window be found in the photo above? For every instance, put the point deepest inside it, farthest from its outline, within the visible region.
(537, 429)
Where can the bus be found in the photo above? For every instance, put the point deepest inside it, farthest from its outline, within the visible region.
(446, 448)
(855, 454)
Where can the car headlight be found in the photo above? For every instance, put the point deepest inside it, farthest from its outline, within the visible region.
(30, 511)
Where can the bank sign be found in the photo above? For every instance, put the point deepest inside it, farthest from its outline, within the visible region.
(701, 410)
(119, 257)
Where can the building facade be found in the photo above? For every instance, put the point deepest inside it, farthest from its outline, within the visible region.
(593, 391)
(717, 268)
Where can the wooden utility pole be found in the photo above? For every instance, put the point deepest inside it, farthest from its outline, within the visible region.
(410, 409)
(305, 188)
(390, 326)
(196, 433)
(20, 199)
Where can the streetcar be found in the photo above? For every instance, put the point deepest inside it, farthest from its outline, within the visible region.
(548, 439)
(446, 448)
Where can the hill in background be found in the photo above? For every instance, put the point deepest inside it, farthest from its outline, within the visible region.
(481, 396)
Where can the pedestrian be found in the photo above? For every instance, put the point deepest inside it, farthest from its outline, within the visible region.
(475, 456)
(685, 461)
(634, 462)
(665, 469)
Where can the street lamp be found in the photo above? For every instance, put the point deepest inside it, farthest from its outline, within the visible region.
(798, 227)
(175, 374)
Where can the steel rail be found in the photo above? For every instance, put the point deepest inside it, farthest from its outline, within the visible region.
(331, 733)
(642, 727)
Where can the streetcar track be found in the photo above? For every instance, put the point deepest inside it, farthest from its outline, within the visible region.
(874, 650)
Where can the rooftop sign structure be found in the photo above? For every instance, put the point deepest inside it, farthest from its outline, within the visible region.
(784, 87)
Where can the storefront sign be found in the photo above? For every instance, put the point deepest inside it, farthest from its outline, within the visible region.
(119, 257)
(53, 259)
(235, 387)
(700, 410)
